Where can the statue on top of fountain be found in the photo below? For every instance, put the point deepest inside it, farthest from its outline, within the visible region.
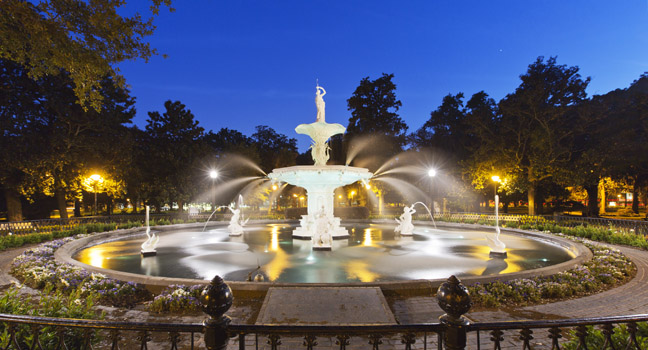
(405, 226)
(319, 102)
(320, 131)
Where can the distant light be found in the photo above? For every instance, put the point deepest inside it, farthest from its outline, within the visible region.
(295, 195)
(95, 177)
(496, 178)
(213, 174)
(432, 172)
(339, 196)
(274, 187)
(368, 186)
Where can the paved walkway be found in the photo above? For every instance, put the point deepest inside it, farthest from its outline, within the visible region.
(631, 298)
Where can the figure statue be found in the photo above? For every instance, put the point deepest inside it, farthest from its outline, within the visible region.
(320, 152)
(323, 236)
(236, 225)
(405, 226)
(319, 102)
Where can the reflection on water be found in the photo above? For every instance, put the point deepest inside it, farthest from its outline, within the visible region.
(371, 253)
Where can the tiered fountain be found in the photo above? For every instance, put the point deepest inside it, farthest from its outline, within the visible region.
(320, 181)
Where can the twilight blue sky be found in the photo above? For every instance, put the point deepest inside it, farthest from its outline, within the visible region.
(243, 63)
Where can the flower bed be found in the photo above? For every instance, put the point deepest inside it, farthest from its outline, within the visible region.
(607, 269)
(177, 299)
(37, 268)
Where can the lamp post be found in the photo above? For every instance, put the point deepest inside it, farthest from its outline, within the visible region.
(96, 178)
(352, 194)
(431, 174)
(213, 174)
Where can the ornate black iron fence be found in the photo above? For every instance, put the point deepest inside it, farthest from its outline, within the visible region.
(453, 331)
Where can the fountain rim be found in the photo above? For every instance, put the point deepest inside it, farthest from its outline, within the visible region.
(319, 168)
(64, 254)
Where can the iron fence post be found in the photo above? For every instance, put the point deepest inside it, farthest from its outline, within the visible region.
(454, 299)
(216, 299)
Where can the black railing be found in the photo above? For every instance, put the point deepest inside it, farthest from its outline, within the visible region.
(453, 332)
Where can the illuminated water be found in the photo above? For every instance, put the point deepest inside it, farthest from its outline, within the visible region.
(372, 253)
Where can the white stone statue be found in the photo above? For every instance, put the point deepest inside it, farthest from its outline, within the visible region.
(320, 131)
(319, 102)
(236, 223)
(148, 247)
(405, 226)
(323, 231)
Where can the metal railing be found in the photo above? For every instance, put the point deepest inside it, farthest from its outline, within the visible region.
(453, 331)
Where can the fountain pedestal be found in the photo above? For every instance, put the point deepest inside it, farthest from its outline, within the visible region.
(320, 183)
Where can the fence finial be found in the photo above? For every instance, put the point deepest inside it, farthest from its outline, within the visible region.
(216, 299)
(454, 299)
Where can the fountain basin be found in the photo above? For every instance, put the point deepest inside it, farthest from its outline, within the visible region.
(372, 255)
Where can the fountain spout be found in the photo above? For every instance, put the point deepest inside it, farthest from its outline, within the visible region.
(148, 247)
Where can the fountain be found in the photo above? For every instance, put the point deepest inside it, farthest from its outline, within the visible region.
(320, 180)
(497, 247)
(236, 222)
(285, 252)
(148, 247)
(405, 226)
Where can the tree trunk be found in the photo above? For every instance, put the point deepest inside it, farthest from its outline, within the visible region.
(77, 208)
(180, 204)
(531, 198)
(592, 201)
(60, 202)
(635, 194)
(601, 190)
(110, 206)
(14, 206)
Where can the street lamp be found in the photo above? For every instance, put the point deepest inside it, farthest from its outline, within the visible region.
(352, 194)
(96, 179)
(431, 174)
(213, 174)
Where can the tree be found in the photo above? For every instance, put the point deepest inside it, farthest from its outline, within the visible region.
(84, 38)
(171, 155)
(540, 120)
(373, 107)
(275, 150)
(50, 139)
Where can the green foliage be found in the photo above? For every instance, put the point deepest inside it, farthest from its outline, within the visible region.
(51, 303)
(177, 299)
(84, 38)
(595, 338)
(13, 241)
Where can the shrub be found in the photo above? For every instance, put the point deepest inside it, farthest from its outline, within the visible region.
(51, 304)
(177, 299)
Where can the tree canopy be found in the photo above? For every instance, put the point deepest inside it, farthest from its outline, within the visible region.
(83, 38)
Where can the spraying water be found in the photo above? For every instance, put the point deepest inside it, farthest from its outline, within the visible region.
(212, 214)
(428, 210)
